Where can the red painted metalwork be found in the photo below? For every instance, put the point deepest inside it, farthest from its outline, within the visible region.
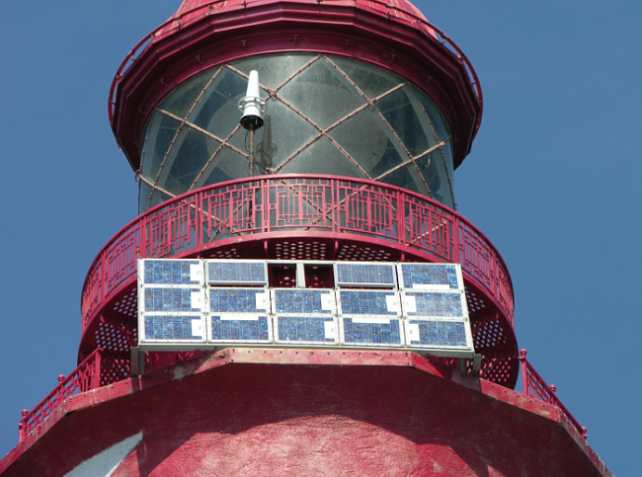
(85, 377)
(303, 217)
(533, 385)
(277, 207)
(371, 31)
(293, 412)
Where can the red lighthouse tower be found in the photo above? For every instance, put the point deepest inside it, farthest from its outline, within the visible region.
(367, 111)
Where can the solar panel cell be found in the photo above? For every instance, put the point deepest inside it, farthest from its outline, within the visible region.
(239, 300)
(372, 332)
(447, 305)
(436, 333)
(229, 272)
(175, 328)
(349, 274)
(297, 329)
(255, 329)
(304, 301)
(173, 299)
(363, 302)
(173, 272)
(424, 275)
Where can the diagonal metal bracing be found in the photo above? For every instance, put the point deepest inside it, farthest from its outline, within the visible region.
(370, 102)
(181, 126)
(213, 156)
(397, 140)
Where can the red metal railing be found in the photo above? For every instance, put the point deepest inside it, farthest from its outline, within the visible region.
(179, 22)
(535, 386)
(85, 377)
(269, 206)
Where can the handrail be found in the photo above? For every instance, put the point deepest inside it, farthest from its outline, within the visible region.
(86, 376)
(535, 386)
(207, 9)
(325, 204)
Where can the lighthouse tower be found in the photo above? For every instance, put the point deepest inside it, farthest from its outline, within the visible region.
(359, 113)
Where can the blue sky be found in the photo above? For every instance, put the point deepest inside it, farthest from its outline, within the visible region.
(553, 179)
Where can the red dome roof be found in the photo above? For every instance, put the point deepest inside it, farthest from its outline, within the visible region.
(403, 6)
(402, 11)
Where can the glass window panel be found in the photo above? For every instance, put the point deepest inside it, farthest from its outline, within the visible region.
(282, 134)
(182, 98)
(158, 197)
(430, 117)
(434, 171)
(149, 197)
(227, 165)
(371, 80)
(144, 196)
(370, 142)
(160, 132)
(192, 151)
(322, 158)
(322, 94)
(274, 69)
(400, 113)
(218, 111)
(408, 178)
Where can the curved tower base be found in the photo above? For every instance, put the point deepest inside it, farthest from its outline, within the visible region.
(277, 412)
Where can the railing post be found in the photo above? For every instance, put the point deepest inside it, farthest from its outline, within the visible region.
(22, 425)
(401, 216)
(61, 388)
(524, 370)
(97, 368)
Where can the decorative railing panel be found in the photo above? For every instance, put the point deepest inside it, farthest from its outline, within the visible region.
(535, 386)
(85, 377)
(189, 224)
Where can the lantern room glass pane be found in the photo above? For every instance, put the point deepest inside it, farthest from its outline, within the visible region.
(192, 152)
(220, 104)
(273, 70)
(181, 101)
(282, 134)
(369, 141)
(160, 134)
(321, 158)
(371, 80)
(401, 113)
(320, 121)
(227, 165)
(322, 94)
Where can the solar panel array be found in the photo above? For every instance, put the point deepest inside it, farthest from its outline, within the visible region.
(418, 306)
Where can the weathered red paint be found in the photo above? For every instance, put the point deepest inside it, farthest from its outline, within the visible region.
(303, 412)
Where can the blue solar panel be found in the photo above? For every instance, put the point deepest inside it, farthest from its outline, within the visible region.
(239, 300)
(422, 275)
(381, 332)
(304, 301)
(168, 327)
(355, 274)
(249, 273)
(173, 272)
(173, 299)
(361, 302)
(254, 329)
(436, 333)
(434, 304)
(297, 329)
